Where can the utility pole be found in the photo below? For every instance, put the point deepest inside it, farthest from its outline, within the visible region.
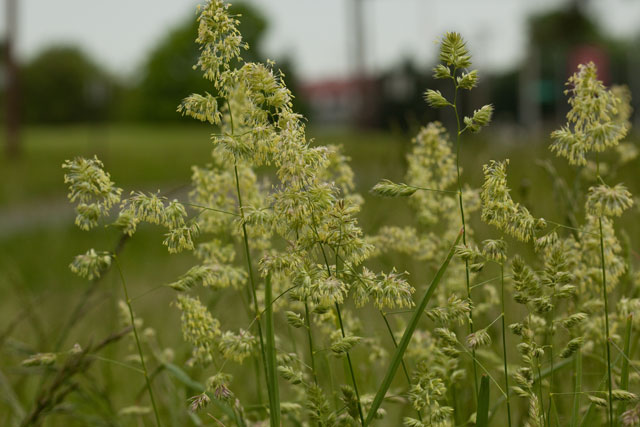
(12, 83)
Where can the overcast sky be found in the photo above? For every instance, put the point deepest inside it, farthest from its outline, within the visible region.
(313, 33)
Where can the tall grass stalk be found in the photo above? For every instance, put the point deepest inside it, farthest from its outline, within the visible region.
(459, 132)
(252, 284)
(138, 345)
(504, 345)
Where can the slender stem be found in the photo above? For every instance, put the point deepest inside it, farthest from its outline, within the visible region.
(253, 286)
(550, 341)
(307, 319)
(337, 306)
(504, 345)
(135, 334)
(606, 323)
(353, 376)
(577, 389)
(540, 398)
(464, 228)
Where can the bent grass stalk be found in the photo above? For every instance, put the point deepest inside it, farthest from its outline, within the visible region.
(138, 345)
(408, 333)
(482, 415)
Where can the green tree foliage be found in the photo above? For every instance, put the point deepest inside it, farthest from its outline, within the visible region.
(62, 85)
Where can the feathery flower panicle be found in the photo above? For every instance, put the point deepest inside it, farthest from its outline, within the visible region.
(627, 152)
(480, 118)
(624, 110)
(525, 282)
(218, 385)
(455, 311)
(220, 42)
(328, 291)
(342, 345)
(624, 396)
(631, 417)
(386, 188)
(149, 208)
(441, 71)
(589, 278)
(499, 209)
(40, 359)
(431, 164)
(608, 201)
(181, 238)
(201, 107)
(479, 338)
(453, 51)
(468, 80)
(217, 276)
(495, 250)
(391, 291)
(405, 240)
(572, 346)
(290, 374)
(236, 347)
(92, 188)
(574, 320)
(435, 99)
(91, 264)
(592, 122)
(198, 402)
(294, 319)
(199, 328)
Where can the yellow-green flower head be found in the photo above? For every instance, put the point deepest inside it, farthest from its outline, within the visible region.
(593, 123)
(453, 51)
(91, 264)
(499, 209)
(92, 188)
(219, 39)
(236, 347)
(199, 328)
(608, 201)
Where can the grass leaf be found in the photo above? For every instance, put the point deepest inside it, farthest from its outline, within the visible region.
(482, 415)
(406, 337)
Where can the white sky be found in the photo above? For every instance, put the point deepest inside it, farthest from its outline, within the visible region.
(313, 33)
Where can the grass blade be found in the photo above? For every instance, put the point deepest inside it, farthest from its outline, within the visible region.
(406, 337)
(482, 416)
(274, 411)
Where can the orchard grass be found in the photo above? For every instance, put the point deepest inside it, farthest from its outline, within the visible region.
(299, 299)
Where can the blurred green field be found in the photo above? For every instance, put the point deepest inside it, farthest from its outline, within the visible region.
(38, 238)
